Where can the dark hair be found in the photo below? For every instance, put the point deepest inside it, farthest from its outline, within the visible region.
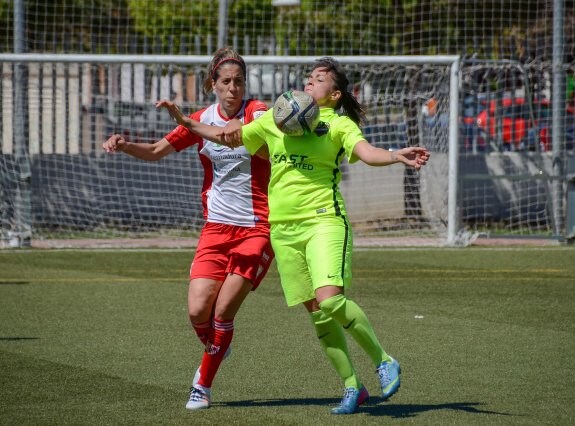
(221, 56)
(348, 103)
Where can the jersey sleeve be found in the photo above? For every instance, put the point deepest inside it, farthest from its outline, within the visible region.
(181, 138)
(254, 109)
(350, 135)
(254, 133)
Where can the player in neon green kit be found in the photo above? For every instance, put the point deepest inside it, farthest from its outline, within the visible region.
(311, 235)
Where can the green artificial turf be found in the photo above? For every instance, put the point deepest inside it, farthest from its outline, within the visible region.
(484, 336)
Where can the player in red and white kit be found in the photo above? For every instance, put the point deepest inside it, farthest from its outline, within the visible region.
(234, 251)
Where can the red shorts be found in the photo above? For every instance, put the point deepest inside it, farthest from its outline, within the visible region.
(229, 249)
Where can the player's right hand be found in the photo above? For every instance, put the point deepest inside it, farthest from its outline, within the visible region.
(114, 143)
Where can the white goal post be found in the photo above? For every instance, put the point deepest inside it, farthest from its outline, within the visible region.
(60, 135)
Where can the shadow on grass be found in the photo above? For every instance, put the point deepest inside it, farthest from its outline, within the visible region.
(2, 282)
(17, 338)
(378, 409)
(399, 411)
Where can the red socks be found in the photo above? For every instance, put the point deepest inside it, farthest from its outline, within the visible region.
(203, 331)
(216, 346)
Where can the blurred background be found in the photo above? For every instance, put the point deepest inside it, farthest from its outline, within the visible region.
(515, 120)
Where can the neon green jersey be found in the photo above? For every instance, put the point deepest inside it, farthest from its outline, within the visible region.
(305, 171)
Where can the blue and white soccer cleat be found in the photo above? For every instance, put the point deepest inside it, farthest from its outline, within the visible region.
(388, 372)
(199, 398)
(352, 399)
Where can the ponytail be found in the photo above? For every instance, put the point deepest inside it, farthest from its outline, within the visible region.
(351, 107)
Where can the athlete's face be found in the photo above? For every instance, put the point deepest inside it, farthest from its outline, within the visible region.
(229, 87)
(321, 87)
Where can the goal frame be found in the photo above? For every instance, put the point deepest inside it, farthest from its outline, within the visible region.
(453, 61)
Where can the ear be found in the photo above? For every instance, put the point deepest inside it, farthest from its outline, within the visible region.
(335, 95)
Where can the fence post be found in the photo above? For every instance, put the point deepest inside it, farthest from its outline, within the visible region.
(570, 219)
(222, 23)
(22, 233)
(558, 109)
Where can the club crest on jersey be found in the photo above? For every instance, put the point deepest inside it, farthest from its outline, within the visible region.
(321, 129)
(219, 148)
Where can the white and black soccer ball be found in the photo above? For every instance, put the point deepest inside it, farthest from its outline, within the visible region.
(296, 113)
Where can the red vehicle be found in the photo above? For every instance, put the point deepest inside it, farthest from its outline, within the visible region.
(520, 128)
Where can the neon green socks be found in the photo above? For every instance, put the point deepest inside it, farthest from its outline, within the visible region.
(352, 318)
(332, 340)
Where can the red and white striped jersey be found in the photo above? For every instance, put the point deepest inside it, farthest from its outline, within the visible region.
(235, 187)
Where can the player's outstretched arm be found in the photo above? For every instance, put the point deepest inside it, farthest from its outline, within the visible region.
(212, 133)
(413, 156)
(144, 151)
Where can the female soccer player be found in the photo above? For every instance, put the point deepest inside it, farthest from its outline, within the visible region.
(234, 250)
(310, 231)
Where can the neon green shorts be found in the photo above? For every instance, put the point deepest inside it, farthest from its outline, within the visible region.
(312, 254)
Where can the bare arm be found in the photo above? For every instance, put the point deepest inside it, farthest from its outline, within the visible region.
(263, 152)
(414, 156)
(143, 151)
(230, 137)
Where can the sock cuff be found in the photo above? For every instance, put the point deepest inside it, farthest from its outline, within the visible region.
(318, 317)
(205, 324)
(332, 304)
(220, 324)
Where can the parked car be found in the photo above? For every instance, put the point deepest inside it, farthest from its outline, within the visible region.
(469, 132)
(516, 123)
(524, 127)
(435, 123)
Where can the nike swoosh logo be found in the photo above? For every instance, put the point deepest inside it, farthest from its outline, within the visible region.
(330, 276)
(349, 325)
(322, 336)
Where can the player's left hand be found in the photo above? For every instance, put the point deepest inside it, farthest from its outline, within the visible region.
(414, 156)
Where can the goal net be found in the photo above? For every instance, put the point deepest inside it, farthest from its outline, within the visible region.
(515, 125)
(58, 183)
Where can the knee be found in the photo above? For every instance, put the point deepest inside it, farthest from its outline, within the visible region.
(332, 304)
(224, 311)
(199, 312)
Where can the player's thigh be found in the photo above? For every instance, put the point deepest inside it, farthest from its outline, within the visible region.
(289, 241)
(329, 252)
(202, 295)
(211, 258)
(232, 293)
(251, 257)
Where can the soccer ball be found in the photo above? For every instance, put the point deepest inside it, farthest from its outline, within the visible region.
(296, 113)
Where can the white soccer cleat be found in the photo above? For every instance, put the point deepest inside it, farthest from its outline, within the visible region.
(199, 399)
